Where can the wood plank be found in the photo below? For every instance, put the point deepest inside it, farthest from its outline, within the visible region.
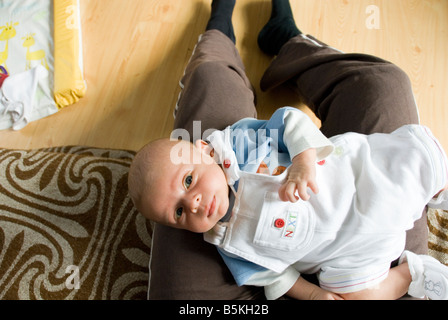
(135, 53)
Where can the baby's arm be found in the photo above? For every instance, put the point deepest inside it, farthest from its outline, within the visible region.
(301, 175)
(306, 145)
(304, 290)
(393, 287)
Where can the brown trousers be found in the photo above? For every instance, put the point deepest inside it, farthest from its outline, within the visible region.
(347, 92)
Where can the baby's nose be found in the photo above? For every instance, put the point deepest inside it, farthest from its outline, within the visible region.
(195, 201)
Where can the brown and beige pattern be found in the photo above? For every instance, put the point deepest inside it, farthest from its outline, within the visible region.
(438, 234)
(68, 229)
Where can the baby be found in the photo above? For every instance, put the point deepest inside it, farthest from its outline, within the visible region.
(349, 228)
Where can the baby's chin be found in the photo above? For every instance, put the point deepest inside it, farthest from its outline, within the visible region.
(203, 229)
(214, 222)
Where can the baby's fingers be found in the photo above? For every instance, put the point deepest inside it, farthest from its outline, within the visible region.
(313, 186)
(302, 191)
(292, 191)
(287, 192)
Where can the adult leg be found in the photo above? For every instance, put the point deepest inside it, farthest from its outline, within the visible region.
(347, 92)
(216, 92)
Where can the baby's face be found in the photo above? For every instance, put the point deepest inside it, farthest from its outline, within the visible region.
(191, 195)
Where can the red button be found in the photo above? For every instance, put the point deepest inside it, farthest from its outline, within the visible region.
(279, 223)
(226, 163)
(321, 163)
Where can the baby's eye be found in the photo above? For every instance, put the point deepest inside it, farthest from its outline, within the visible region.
(188, 180)
(179, 213)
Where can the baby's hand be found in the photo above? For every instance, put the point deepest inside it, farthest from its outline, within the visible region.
(301, 175)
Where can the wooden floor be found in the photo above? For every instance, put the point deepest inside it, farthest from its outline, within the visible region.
(135, 53)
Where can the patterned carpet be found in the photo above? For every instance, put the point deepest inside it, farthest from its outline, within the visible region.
(68, 229)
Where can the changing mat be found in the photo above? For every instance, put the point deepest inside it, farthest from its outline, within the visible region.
(41, 52)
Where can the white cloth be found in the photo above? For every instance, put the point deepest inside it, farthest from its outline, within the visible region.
(440, 202)
(17, 96)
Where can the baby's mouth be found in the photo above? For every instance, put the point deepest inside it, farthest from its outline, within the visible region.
(212, 207)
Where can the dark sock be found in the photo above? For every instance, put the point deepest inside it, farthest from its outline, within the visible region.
(221, 17)
(279, 29)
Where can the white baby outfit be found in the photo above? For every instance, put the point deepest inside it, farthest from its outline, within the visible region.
(371, 190)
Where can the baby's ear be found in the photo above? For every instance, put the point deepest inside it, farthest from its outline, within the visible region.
(204, 147)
